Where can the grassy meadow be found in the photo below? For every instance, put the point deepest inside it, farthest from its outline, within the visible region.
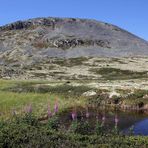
(11, 100)
(21, 128)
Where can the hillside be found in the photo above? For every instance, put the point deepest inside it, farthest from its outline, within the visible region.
(36, 44)
(68, 37)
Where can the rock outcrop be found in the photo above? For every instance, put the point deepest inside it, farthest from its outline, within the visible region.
(30, 42)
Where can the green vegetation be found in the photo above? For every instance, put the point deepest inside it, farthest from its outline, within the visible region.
(134, 100)
(70, 62)
(139, 98)
(63, 89)
(117, 60)
(36, 129)
(27, 131)
(118, 74)
(15, 95)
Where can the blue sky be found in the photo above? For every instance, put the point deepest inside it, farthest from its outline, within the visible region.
(131, 15)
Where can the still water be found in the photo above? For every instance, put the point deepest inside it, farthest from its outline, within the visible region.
(140, 127)
(136, 121)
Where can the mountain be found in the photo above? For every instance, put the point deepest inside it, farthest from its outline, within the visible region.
(28, 42)
(68, 37)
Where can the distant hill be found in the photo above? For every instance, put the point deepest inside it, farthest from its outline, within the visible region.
(67, 37)
(36, 40)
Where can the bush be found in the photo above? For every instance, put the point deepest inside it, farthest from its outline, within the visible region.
(28, 118)
(80, 127)
(61, 89)
(53, 123)
(99, 129)
(24, 134)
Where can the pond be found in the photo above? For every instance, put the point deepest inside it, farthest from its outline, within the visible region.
(136, 122)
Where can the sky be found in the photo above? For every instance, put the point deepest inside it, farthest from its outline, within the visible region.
(131, 15)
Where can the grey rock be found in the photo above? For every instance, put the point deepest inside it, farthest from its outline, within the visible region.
(66, 37)
(23, 43)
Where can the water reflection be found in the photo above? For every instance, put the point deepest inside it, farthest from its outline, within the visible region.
(110, 119)
(140, 127)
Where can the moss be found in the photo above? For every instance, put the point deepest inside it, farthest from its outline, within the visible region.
(70, 62)
(64, 89)
(118, 74)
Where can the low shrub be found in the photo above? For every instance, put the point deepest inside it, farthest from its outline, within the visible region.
(53, 123)
(24, 135)
(60, 89)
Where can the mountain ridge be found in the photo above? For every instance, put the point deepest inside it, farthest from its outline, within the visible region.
(34, 21)
(64, 48)
(68, 37)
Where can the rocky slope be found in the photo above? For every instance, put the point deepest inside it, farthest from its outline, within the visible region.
(68, 37)
(35, 41)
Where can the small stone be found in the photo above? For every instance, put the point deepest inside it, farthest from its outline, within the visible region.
(89, 93)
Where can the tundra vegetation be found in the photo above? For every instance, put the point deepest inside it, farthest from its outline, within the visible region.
(49, 66)
(30, 115)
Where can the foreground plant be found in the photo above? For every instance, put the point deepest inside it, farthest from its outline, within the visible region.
(56, 107)
(115, 130)
(23, 134)
(49, 113)
(53, 123)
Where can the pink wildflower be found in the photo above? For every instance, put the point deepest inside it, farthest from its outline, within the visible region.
(29, 108)
(97, 117)
(87, 114)
(56, 107)
(49, 112)
(103, 118)
(116, 120)
(73, 115)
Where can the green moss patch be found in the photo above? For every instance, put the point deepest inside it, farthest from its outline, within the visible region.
(118, 74)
